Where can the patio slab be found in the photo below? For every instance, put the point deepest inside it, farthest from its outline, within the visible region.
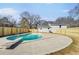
(49, 43)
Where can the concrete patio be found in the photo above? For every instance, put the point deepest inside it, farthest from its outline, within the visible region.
(49, 43)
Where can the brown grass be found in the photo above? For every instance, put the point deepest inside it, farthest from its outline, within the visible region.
(73, 49)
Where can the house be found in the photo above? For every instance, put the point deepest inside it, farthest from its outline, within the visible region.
(52, 27)
(5, 23)
(55, 26)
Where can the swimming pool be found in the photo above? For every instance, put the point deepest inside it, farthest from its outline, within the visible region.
(25, 37)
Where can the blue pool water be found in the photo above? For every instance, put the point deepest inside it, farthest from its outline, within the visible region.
(25, 37)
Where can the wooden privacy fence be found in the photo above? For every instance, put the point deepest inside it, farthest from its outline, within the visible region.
(12, 30)
(68, 30)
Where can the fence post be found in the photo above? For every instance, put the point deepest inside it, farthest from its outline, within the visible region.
(16, 30)
(11, 30)
(2, 31)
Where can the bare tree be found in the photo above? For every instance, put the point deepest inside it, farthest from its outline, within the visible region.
(31, 19)
(69, 21)
(25, 14)
(75, 11)
(8, 21)
(75, 14)
(35, 20)
(12, 21)
(25, 19)
(24, 23)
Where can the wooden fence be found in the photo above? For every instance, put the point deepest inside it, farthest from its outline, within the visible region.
(12, 30)
(68, 30)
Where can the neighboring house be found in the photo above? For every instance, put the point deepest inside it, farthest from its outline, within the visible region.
(5, 23)
(51, 27)
(55, 26)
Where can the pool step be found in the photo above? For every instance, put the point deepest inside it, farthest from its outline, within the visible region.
(15, 44)
(4, 46)
(8, 44)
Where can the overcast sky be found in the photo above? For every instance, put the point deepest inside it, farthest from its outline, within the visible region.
(46, 11)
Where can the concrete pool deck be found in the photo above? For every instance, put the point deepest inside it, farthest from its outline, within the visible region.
(50, 43)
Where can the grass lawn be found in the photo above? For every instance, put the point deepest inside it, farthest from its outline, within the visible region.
(73, 49)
